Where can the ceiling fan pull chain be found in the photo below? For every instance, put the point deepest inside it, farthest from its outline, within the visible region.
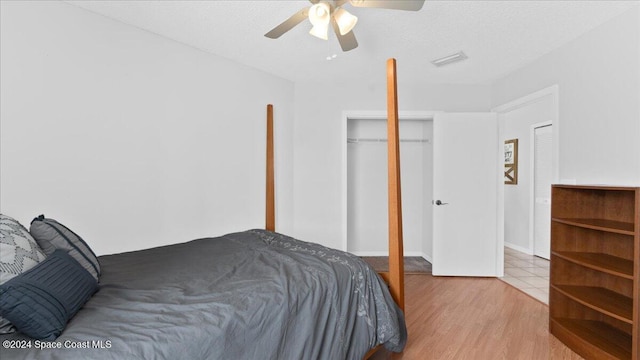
(330, 56)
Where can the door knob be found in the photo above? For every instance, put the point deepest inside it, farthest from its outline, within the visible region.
(438, 202)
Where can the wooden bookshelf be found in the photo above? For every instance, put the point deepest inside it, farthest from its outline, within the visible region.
(595, 270)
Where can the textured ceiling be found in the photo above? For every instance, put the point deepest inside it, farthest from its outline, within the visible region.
(497, 36)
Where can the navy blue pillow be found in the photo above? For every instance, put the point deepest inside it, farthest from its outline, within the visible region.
(40, 301)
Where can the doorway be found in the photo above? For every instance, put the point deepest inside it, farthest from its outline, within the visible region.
(518, 120)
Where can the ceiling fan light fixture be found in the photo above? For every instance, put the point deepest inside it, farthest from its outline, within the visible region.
(320, 13)
(319, 16)
(320, 31)
(330, 13)
(345, 20)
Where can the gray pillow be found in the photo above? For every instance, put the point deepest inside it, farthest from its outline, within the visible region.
(51, 235)
(40, 301)
(19, 252)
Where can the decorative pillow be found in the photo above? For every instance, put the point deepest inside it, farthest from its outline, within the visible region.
(19, 252)
(40, 301)
(51, 235)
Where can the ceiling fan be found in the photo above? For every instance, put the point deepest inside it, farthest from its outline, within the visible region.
(324, 13)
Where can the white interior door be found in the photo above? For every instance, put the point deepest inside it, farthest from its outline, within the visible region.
(467, 173)
(542, 168)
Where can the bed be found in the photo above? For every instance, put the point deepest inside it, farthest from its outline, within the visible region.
(255, 294)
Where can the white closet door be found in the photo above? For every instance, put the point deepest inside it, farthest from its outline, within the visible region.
(543, 137)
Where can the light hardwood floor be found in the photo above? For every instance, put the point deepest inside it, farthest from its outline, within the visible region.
(474, 318)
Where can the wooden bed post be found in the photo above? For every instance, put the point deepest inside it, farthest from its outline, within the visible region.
(271, 206)
(395, 276)
(396, 253)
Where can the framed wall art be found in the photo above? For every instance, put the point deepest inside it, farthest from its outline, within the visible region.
(511, 162)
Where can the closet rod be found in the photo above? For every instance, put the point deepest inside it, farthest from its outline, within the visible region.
(359, 140)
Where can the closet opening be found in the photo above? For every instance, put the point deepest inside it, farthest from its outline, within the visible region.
(366, 185)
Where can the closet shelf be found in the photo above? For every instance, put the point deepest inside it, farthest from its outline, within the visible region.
(597, 336)
(600, 299)
(618, 227)
(601, 262)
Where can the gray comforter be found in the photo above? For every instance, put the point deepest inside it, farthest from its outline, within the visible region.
(247, 295)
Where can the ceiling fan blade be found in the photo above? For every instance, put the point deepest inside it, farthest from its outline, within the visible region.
(288, 24)
(347, 41)
(410, 5)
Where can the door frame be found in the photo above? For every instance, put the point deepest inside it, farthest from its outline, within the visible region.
(365, 115)
(552, 91)
(532, 198)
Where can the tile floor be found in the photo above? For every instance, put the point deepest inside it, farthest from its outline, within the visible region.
(528, 273)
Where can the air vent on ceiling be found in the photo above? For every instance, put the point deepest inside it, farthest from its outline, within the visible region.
(450, 59)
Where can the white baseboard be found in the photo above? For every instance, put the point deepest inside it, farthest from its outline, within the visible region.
(519, 248)
(369, 253)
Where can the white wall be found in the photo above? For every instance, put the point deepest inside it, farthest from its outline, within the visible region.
(131, 139)
(318, 141)
(599, 101)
